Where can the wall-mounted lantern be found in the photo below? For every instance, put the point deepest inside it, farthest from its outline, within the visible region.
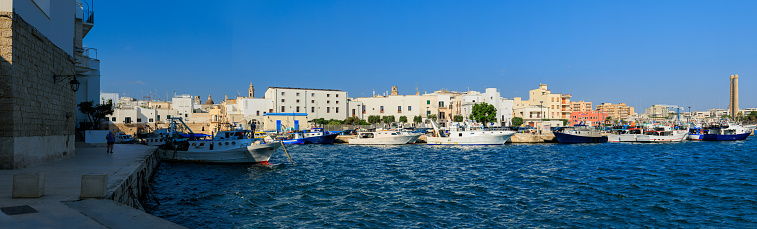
(74, 83)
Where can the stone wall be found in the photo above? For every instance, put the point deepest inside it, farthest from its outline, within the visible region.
(36, 114)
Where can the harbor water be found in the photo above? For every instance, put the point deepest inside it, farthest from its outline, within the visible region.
(688, 184)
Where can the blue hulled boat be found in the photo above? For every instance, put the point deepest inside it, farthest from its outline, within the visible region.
(579, 134)
(315, 136)
(725, 132)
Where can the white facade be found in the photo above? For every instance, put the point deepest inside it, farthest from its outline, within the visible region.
(142, 115)
(317, 103)
(183, 105)
(254, 108)
(396, 105)
(53, 18)
(105, 97)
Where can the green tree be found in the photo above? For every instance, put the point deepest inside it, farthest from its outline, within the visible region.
(320, 121)
(432, 117)
(95, 113)
(403, 118)
(388, 119)
(517, 121)
(457, 118)
(752, 116)
(564, 122)
(417, 119)
(484, 113)
(373, 119)
(352, 121)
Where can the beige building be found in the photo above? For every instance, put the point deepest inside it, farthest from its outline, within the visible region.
(616, 111)
(581, 106)
(542, 104)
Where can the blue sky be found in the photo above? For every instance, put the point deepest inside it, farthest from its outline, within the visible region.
(637, 52)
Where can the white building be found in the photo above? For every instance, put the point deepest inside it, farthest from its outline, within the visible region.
(112, 97)
(183, 105)
(392, 105)
(254, 108)
(317, 103)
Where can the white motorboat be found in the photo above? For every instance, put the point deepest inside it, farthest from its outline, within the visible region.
(226, 147)
(383, 138)
(468, 135)
(657, 134)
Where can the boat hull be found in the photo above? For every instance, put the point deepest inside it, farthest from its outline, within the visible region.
(395, 140)
(243, 155)
(570, 138)
(695, 137)
(725, 137)
(488, 139)
(646, 138)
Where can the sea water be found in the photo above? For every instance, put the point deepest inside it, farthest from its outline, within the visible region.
(670, 185)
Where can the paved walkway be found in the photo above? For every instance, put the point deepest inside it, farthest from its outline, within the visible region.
(60, 206)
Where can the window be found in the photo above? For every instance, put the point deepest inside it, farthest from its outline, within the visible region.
(399, 109)
(409, 108)
(381, 109)
(282, 100)
(441, 103)
(312, 101)
(428, 101)
(328, 101)
(312, 109)
(328, 95)
(428, 113)
(127, 120)
(298, 108)
(336, 109)
(337, 95)
(337, 102)
(298, 94)
(151, 120)
(113, 119)
(297, 101)
(258, 113)
(186, 115)
(282, 108)
(139, 120)
(158, 118)
(328, 109)
(282, 93)
(168, 117)
(312, 94)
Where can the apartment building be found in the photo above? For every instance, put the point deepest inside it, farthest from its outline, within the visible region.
(619, 111)
(581, 106)
(316, 103)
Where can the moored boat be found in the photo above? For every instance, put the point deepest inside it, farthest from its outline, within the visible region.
(382, 138)
(579, 134)
(468, 135)
(225, 147)
(315, 136)
(725, 132)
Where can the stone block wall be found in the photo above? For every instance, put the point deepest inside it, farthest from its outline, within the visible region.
(37, 115)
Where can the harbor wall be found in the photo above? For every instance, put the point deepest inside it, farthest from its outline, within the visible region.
(129, 191)
(36, 113)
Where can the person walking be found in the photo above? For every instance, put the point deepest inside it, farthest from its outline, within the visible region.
(111, 140)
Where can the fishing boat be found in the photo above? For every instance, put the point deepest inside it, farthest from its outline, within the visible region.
(579, 134)
(695, 133)
(233, 146)
(725, 132)
(468, 135)
(314, 136)
(664, 134)
(382, 138)
(626, 135)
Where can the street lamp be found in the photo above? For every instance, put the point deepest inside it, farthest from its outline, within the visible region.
(74, 83)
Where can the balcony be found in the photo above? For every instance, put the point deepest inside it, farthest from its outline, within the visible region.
(87, 60)
(88, 16)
